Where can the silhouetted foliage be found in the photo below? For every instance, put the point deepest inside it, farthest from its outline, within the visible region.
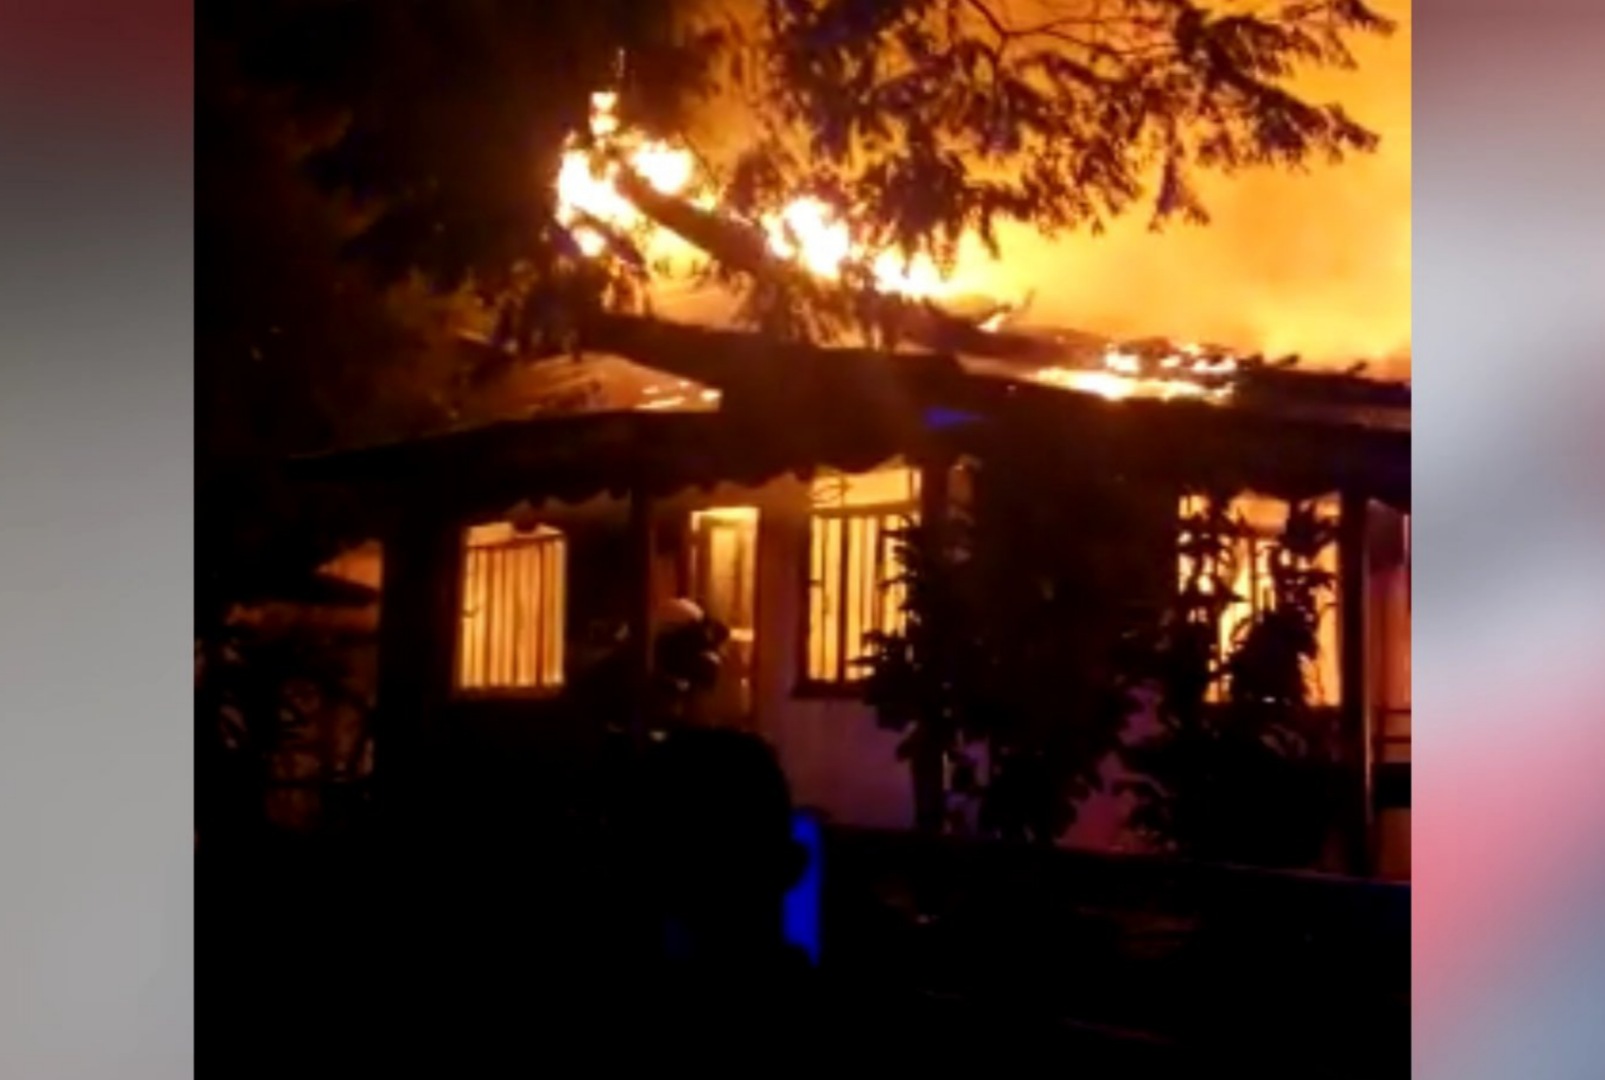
(1242, 767)
(926, 119)
(917, 120)
(297, 350)
(1002, 677)
(260, 690)
(929, 680)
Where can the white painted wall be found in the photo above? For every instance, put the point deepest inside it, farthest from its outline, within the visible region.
(841, 763)
(836, 757)
(837, 760)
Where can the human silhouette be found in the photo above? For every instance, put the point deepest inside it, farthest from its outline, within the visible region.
(713, 845)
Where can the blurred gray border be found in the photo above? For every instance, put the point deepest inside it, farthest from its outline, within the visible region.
(96, 569)
(1509, 646)
(96, 877)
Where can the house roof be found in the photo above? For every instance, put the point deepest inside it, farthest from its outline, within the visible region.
(631, 360)
(786, 408)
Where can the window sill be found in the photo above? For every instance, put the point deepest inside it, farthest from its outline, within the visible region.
(507, 694)
(825, 691)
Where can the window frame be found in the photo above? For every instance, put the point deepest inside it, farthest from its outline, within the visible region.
(806, 685)
(541, 535)
(1263, 534)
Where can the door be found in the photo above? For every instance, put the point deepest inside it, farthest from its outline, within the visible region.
(724, 580)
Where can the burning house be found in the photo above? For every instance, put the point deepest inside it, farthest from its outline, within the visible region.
(765, 481)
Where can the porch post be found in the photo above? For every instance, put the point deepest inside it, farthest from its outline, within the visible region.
(927, 764)
(417, 636)
(1353, 681)
(639, 628)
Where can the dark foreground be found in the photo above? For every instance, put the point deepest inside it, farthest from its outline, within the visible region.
(364, 956)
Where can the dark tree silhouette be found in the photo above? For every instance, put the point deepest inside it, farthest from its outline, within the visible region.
(926, 119)
(918, 120)
(1003, 679)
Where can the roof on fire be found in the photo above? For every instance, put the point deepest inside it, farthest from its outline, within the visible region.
(725, 406)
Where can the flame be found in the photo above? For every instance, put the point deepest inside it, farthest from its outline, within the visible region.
(588, 192)
(1122, 376)
(1314, 262)
(1278, 284)
(806, 231)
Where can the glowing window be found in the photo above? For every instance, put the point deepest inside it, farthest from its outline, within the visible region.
(511, 630)
(854, 566)
(1249, 574)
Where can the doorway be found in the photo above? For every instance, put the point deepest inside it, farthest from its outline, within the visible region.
(724, 580)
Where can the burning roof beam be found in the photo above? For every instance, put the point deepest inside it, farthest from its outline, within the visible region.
(744, 247)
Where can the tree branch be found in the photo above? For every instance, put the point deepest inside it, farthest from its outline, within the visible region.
(740, 246)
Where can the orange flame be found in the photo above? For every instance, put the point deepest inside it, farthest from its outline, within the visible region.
(805, 231)
(1122, 376)
(1315, 263)
(586, 191)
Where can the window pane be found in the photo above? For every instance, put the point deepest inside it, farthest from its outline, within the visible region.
(892, 485)
(556, 564)
(830, 600)
(1249, 576)
(1325, 675)
(892, 616)
(853, 564)
(512, 609)
(816, 601)
(853, 622)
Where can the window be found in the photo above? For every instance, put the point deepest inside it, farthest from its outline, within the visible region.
(853, 566)
(511, 633)
(1250, 576)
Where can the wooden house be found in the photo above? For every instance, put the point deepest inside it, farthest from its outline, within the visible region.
(763, 482)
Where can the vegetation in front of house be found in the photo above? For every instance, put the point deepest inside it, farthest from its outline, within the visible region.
(1243, 767)
(1017, 669)
(1001, 677)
